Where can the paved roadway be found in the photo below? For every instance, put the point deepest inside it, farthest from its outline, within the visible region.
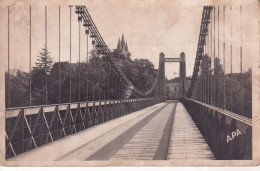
(161, 132)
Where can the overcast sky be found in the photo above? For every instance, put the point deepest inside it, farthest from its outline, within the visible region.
(149, 27)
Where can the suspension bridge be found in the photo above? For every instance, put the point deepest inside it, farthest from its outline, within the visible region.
(210, 121)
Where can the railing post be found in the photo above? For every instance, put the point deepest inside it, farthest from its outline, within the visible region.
(136, 105)
(120, 108)
(106, 118)
(127, 106)
(207, 121)
(70, 120)
(248, 151)
(92, 114)
(95, 114)
(223, 139)
(99, 113)
(41, 127)
(231, 144)
(88, 116)
(85, 116)
(115, 110)
(123, 107)
(56, 121)
(110, 111)
(22, 131)
(215, 132)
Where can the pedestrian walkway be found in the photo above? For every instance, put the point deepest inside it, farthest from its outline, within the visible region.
(144, 145)
(186, 140)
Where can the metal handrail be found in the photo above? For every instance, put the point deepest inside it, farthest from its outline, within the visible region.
(233, 115)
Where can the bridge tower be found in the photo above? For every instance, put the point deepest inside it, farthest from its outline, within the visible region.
(161, 78)
(182, 80)
(182, 74)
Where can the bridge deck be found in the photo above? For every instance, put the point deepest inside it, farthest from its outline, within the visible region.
(154, 133)
(186, 140)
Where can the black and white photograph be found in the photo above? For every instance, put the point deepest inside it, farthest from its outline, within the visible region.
(130, 83)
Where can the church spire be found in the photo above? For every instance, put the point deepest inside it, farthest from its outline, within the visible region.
(119, 47)
(126, 47)
(123, 41)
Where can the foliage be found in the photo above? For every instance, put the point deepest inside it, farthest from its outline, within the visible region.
(140, 72)
(232, 84)
(95, 79)
(19, 86)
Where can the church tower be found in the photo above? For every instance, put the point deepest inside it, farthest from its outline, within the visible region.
(123, 42)
(119, 47)
(126, 47)
(122, 46)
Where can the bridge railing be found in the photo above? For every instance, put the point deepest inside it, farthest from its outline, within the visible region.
(228, 134)
(30, 127)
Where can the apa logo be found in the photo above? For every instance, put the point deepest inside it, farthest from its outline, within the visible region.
(233, 135)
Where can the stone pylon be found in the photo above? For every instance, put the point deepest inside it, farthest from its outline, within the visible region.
(182, 75)
(161, 78)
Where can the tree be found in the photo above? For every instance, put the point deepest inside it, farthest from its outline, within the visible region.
(40, 77)
(145, 74)
(59, 69)
(44, 60)
(140, 72)
(98, 76)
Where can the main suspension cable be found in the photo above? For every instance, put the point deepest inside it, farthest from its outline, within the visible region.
(200, 50)
(104, 48)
